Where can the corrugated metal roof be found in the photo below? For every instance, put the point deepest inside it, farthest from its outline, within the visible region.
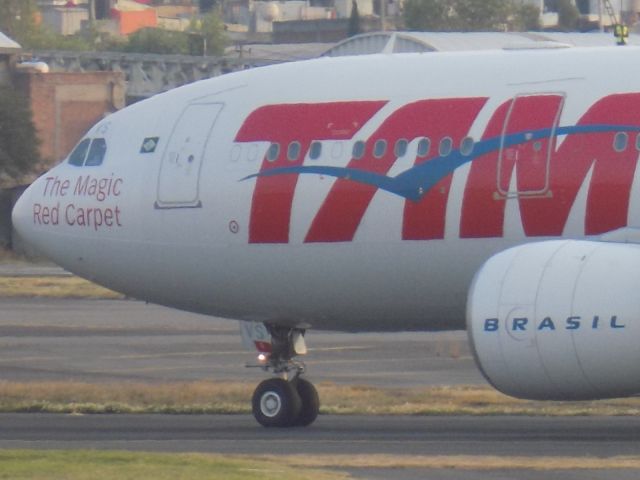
(394, 42)
(7, 45)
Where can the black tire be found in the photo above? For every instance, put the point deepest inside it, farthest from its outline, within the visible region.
(310, 402)
(276, 403)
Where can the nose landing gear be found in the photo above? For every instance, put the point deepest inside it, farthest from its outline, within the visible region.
(287, 400)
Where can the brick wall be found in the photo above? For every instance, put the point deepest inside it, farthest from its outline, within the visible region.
(66, 105)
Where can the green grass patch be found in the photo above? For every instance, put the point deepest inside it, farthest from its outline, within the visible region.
(109, 465)
(96, 465)
(203, 397)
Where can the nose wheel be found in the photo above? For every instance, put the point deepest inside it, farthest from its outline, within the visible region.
(287, 400)
(276, 403)
(281, 403)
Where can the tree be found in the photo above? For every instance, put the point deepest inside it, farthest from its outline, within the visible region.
(17, 19)
(156, 40)
(568, 15)
(211, 29)
(460, 15)
(526, 18)
(206, 5)
(427, 15)
(481, 15)
(354, 20)
(42, 38)
(18, 139)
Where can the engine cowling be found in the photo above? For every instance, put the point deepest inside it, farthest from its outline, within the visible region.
(559, 320)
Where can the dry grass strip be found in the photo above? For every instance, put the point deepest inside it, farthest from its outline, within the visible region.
(463, 462)
(53, 287)
(208, 397)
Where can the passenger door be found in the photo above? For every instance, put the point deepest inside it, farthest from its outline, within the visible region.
(179, 176)
(527, 143)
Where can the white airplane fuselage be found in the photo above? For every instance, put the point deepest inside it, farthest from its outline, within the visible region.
(248, 196)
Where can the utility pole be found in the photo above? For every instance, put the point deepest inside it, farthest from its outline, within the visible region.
(600, 22)
(92, 11)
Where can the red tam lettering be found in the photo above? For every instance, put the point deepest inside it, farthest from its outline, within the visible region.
(343, 210)
(568, 166)
(443, 121)
(283, 124)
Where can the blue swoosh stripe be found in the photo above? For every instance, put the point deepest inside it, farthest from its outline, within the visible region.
(415, 182)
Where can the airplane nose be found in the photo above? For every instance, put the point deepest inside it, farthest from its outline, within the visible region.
(21, 215)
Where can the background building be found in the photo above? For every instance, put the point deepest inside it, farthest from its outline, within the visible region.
(591, 11)
(8, 50)
(66, 105)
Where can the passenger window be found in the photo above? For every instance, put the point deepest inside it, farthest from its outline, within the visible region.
(315, 151)
(446, 144)
(293, 151)
(380, 148)
(466, 146)
(79, 153)
(236, 152)
(620, 142)
(252, 156)
(358, 150)
(401, 147)
(336, 150)
(273, 152)
(424, 145)
(97, 152)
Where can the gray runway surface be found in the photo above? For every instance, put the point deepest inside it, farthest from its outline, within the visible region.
(354, 435)
(331, 434)
(96, 341)
(107, 340)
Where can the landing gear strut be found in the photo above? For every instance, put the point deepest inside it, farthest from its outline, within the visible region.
(287, 400)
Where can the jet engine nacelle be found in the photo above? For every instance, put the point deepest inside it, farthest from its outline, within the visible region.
(559, 320)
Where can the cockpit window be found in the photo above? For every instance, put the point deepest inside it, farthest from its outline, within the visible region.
(89, 153)
(77, 156)
(96, 152)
